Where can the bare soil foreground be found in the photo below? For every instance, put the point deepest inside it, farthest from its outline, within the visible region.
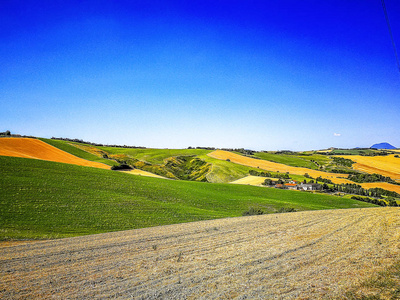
(302, 255)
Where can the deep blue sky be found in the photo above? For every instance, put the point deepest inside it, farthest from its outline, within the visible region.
(264, 75)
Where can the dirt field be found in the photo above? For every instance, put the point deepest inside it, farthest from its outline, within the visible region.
(384, 165)
(275, 167)
(302, 255)
(142, 173)
(33, 148)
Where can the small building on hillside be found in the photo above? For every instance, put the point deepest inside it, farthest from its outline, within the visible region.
(280, 186)
(310, 186)
(291, 186)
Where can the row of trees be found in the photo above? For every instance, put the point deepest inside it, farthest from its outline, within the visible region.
(269, 174)
(96, 144)
(352, 188)
(370, 178)
(342, 161)
(6, 133)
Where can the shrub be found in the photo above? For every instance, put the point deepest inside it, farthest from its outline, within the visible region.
(121, 167)
(253, 211)
(286, 209)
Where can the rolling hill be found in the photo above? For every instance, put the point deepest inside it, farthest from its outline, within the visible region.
(42, 199)
(97, 200)
(125, 236)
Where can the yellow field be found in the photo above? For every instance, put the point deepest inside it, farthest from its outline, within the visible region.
(251, 180)
(384, 165)
(276, 167)
(382, 185)
(36, 149)
(301, 255)
(142, 173)
(90, 149)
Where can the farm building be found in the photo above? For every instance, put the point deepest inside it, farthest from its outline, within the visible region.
(310, 186)
(291, 186)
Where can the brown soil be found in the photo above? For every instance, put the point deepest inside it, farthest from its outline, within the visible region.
(302, 255)
(33, 148)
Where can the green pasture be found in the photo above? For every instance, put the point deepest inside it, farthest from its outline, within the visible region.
(153, 156)
(41, 200)
(68, 147)
(303, 161)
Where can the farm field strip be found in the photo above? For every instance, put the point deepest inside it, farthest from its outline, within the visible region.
(384, 165)
(142, 173)
(306, 254)
(258, 180)
(276, 167)
(382, 185)
(36, 149)
(252, 180)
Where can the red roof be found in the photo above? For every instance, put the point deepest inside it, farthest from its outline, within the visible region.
(290, 184)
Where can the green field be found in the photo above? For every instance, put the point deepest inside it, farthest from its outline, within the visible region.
(41, 199)
(221, 171)
(305, 161)
(68, 147)
(153, 156)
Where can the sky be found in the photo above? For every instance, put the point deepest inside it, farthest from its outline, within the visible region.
(261, 75)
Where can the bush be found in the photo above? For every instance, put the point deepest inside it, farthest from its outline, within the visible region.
(121, 167)
(253, 211)
(286, 209)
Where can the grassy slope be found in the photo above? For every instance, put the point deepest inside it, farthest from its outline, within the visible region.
(295, 160)
(153, 156)
(65, 146)
(41, 199)
(221, 171)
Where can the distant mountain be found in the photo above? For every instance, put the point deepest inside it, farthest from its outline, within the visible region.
(383, 146)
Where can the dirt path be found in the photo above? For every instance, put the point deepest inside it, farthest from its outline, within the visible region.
(36, 149)
(305, 255)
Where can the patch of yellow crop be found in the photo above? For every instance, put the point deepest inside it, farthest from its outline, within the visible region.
(276, 167)
(251, 180)
(90, 149)
(384, 165)
(142, 173)
(36, 149)
(382, 185)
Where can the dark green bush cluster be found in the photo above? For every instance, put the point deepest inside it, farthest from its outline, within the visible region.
(370, 178)
(121, 167)
(343, 161)
(325, 180)
(286, 210)
(253, 212)
(269, 174)
(375, 201)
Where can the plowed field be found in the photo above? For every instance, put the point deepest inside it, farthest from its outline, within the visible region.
(384, 165)
(33, 148)
(306, 255)
(276, 167)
